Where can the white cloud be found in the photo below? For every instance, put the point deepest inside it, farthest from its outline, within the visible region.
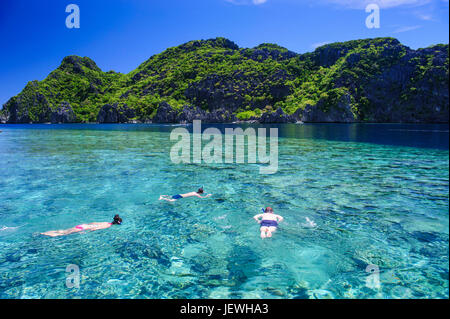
(425, 17)
(246, 2)
(318, 44)
(383, 4)
(406, 29)
(237, 2)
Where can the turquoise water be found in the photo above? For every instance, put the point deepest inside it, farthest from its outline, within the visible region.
(378, 194)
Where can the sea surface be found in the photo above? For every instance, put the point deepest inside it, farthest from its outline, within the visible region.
(376, 197)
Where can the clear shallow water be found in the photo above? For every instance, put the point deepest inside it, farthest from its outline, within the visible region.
(379, 194)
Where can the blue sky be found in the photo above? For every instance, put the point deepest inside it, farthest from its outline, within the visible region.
(120, 34)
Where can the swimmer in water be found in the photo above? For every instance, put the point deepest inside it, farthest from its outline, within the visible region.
(91, 226)
(178, 196)
(268, 223)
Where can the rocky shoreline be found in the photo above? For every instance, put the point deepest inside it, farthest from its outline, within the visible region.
(114, 113)
(166, 114)
(110, 114)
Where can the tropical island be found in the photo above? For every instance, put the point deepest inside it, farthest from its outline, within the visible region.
(216, 81)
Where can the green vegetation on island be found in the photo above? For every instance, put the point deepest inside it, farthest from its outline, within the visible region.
(373, 80)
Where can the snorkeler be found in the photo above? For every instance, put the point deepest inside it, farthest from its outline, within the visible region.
(178, 196)
(268, 223)
(91, 226)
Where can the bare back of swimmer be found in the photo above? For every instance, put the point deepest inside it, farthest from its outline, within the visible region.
(268, 223)
(91, 227)
(179, 196)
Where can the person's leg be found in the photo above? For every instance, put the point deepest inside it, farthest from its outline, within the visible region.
(71, 230)
(270, 230)
(263, 231)
(167, 198)
(51, 233)
(55, 233)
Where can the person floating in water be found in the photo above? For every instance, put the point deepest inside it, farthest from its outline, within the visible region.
(91, 226)
(268, 223)
(178, 196)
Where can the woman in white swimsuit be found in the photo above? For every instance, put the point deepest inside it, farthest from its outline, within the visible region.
(268, 223)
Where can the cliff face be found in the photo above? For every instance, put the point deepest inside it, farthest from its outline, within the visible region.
(373, 80)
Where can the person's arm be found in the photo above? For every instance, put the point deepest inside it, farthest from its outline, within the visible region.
(198, 195)
(280, 218)
(256, 217)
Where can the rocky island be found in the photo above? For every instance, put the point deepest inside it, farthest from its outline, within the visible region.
(216, 81)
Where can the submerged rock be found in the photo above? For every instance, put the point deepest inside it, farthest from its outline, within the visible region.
(426, 237)
(243, 263)
(134, 251)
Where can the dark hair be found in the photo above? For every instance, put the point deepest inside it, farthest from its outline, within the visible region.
(268, 209)
(200, 190)
(117, 220)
